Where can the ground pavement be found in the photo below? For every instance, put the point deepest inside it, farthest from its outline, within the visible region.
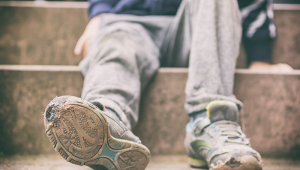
(174, 162)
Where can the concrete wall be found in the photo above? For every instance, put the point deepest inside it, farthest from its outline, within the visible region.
(24, 95)
(270, 117)
(40, 36)
(46, 34)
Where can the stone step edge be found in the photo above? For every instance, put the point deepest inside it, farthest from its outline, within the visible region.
(39, 68)
(47, 4)
(44, 4)
(161, 70)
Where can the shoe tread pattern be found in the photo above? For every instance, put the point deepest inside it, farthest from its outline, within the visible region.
(132, 160)
(80, 132)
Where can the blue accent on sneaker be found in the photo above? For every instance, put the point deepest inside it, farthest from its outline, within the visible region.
(211, 150)
(190, 125)
(109, 153)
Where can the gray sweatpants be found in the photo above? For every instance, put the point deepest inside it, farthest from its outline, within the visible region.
(128, 50)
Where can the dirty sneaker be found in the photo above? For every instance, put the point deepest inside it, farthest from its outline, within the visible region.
(85, 135)
(217, 141)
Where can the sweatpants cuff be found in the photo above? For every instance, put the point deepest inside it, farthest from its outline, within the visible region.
(197, 104)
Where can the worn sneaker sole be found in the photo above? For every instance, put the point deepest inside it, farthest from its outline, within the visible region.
(79, 132)
(245, 162)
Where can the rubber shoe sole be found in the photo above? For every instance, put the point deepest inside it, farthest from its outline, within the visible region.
(245, 162)
(79, 132)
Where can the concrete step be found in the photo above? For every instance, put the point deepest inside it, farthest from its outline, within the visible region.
(287, 1)
(270, 117)
(45, 33)
(162, 162)
(41, 33)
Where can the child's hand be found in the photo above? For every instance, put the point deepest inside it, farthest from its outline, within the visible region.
(90, 31)
(281, 67)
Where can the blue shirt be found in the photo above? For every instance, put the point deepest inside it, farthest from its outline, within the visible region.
(135, 7)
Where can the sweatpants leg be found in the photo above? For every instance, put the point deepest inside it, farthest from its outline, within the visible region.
(213, 30)
(121, 60)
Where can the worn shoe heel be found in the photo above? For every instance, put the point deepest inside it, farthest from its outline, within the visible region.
(79, 132)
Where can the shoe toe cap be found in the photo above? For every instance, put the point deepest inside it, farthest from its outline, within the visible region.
(237, 160)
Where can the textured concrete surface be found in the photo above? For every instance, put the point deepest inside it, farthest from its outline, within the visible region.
(162, 116)
(167, 162)
(39, 35)
(271, 115)
(24, 96)
(271, 111)
(286, 47)
(46, 34)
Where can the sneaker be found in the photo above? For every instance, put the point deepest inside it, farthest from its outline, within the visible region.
(81, 133)
(217, 141)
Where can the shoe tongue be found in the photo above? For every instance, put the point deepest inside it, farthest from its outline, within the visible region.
(223, 111)
(232, 131)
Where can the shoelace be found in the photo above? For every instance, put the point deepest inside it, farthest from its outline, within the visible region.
(230, 132)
